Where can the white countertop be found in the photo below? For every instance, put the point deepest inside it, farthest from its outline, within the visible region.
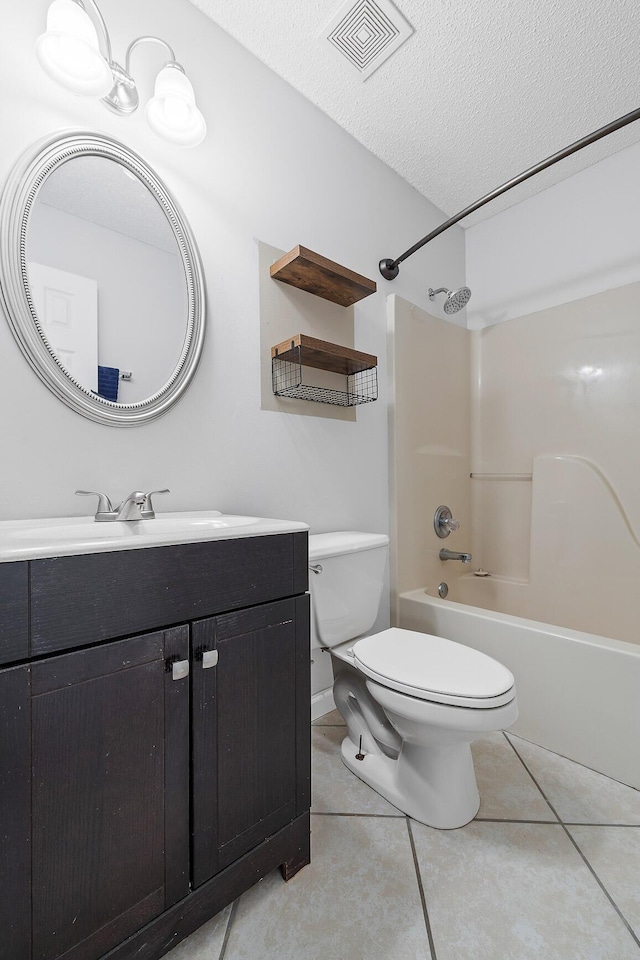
(70, 536)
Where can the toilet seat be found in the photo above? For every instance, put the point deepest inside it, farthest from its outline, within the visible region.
(433, 668)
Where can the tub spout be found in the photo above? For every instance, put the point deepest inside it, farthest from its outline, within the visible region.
(454, 555)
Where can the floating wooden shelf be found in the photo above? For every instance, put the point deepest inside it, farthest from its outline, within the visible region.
(289, 357)
(324, 355)
(309, 271)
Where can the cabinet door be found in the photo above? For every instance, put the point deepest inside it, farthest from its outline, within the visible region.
(250, 729)
(15, 815)
(110, 784)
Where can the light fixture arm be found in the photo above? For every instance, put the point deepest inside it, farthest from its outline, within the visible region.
(123, 98)
(138, 41)
(390, 268)
(93, 12)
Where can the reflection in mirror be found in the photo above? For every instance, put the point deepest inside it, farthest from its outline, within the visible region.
(107, 279)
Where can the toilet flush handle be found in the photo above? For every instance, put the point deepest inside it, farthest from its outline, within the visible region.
(315, 567)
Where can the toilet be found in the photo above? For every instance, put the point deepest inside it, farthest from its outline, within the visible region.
(413, 703)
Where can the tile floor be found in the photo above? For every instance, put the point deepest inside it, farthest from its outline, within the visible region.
(549, 869)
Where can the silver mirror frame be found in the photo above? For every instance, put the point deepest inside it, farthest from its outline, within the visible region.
(17, 200)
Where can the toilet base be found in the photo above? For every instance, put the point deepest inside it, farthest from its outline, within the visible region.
(433, 785)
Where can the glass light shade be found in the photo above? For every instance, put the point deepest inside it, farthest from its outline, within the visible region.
(172, 112)
(69, 52)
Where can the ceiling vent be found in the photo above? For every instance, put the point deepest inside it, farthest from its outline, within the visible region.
(366, 33)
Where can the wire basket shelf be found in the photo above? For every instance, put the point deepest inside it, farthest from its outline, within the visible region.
(292, 376)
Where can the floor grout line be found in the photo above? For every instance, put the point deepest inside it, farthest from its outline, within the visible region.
(544, 823)
(581, 854)
(336, 813)
(550, 805)
(552, 823)
(423, 899)
(588, 823)
(563, 757)
(541, 791)
(603, 888)
(227, 932)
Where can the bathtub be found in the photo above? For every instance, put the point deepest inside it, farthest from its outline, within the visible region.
(578, 693)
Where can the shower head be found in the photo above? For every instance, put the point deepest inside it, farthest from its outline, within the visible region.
(455, 301)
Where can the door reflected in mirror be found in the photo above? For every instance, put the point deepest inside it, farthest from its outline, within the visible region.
(107, 279)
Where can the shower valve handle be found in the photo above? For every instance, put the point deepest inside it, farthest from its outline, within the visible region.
(444, 523)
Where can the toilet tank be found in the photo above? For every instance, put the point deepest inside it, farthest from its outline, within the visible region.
(345, 593)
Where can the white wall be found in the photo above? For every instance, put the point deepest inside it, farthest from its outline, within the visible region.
(572, 240)
(275, 169)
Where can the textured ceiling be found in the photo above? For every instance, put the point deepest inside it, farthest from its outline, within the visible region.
(103, 192)
(482, 90)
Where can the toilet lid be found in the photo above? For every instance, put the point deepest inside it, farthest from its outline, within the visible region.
(433, 668)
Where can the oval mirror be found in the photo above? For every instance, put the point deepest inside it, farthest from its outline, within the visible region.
(101, 279)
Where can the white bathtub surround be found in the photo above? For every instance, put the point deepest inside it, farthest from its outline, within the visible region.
(550, 510)
(562, 383)
(577, 693)
(547, 433)
(585, 553)
(430, 443)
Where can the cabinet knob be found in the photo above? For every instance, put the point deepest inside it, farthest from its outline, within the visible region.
(179, 669)
(209, 659)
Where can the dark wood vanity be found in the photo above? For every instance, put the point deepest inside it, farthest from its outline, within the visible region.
(154, 741)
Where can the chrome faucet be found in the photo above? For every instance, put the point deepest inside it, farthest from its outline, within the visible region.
(454, 555)
(137, 506)
(131, 506)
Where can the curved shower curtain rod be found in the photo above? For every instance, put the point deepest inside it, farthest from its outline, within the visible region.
(390, 268)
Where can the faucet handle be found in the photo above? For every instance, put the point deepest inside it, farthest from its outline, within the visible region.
(148, 512)
(444, 523)
(104, 504)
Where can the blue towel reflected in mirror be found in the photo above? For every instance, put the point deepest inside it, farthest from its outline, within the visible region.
(108, 379)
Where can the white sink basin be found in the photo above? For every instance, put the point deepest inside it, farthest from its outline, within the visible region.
(84, 528)
(67, 536)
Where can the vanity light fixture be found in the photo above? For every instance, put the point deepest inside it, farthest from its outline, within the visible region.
(75, 51)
